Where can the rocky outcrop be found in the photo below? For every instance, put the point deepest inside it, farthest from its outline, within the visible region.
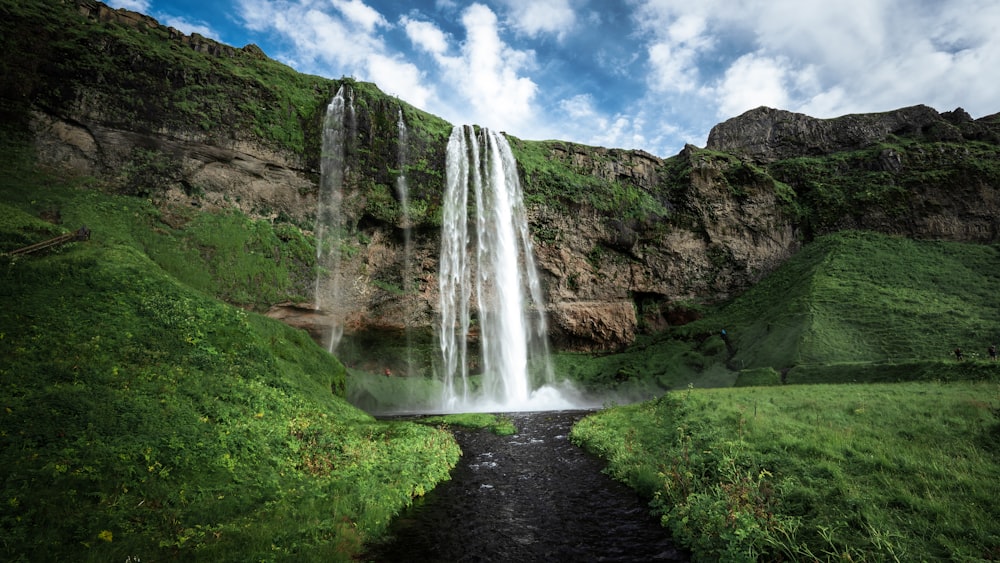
(103, 13)
(634, 167)
(182, 169)
(303, 316)
(766, 135)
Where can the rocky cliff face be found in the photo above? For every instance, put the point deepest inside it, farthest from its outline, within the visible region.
(912, 172)
(767, 135)
(184, 128)
(187, 169)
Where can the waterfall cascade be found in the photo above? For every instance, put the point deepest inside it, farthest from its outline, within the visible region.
(491, 270)
(337, 128)
(403, 192)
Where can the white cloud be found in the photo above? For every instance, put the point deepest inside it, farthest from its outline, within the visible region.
(344, 42)
(678, 40)
(494, 83)
(554, 17)
(583, 121)
(317, 39)
(672, 69)
(578, 107)
(824, 58)
(750, 82)
(689, 29)
(706, 60)
(361, 14)
(399, 78)
(488, 76)
(141, 6)
(426, 36)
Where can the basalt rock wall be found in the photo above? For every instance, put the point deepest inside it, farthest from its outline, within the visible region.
(623, 238)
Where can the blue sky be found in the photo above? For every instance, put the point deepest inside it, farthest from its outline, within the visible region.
(633, 74)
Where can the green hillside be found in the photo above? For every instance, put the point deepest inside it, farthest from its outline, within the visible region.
(775, 470)
(149, 412)
(143, 417)
(864, 297)
(852, 306)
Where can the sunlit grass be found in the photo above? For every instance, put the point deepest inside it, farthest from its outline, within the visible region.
(872, 472)
(850, 307)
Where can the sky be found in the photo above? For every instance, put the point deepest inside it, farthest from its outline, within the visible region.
(632, 74)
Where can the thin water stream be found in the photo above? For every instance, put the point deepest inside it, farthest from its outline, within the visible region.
(529, 497)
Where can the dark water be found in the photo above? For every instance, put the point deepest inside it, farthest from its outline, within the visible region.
(533, 496)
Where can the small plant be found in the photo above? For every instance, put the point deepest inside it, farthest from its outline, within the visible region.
(498, 424)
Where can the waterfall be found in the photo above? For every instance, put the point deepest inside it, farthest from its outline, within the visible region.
(337, 127)
(404, 201)
(494, 265)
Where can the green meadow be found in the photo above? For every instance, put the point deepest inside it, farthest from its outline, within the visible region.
(846, 472)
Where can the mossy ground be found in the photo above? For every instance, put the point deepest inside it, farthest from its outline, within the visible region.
(850, 307)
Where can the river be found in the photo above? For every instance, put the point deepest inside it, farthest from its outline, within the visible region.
(533, 496)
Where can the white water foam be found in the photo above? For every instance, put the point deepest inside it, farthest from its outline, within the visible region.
(337, 125)
(489, 286)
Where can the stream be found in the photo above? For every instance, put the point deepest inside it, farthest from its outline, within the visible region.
(533, 496)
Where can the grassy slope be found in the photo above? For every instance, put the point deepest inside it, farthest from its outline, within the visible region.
(876, 472)
(863, 297)
(143, 417)
(852, 306)
(866, 472)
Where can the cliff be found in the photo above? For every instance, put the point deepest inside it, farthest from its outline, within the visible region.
(624, 239)
(768, 135)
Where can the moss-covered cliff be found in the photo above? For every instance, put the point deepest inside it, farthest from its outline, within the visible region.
(623, 238)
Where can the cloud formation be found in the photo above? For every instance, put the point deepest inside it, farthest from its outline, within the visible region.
(650, 74)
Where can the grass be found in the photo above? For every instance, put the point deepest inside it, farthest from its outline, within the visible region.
(888, 454)
(149, 413)
(498, 424)
(832, 187)
(145, 418)
(873, 472)
(864, 297)
(552, 181)
(246, 262)
(852, 306)
(169, 86)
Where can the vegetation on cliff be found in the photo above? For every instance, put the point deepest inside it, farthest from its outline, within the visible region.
(852, 306)
(161, 81)
(144, 418)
